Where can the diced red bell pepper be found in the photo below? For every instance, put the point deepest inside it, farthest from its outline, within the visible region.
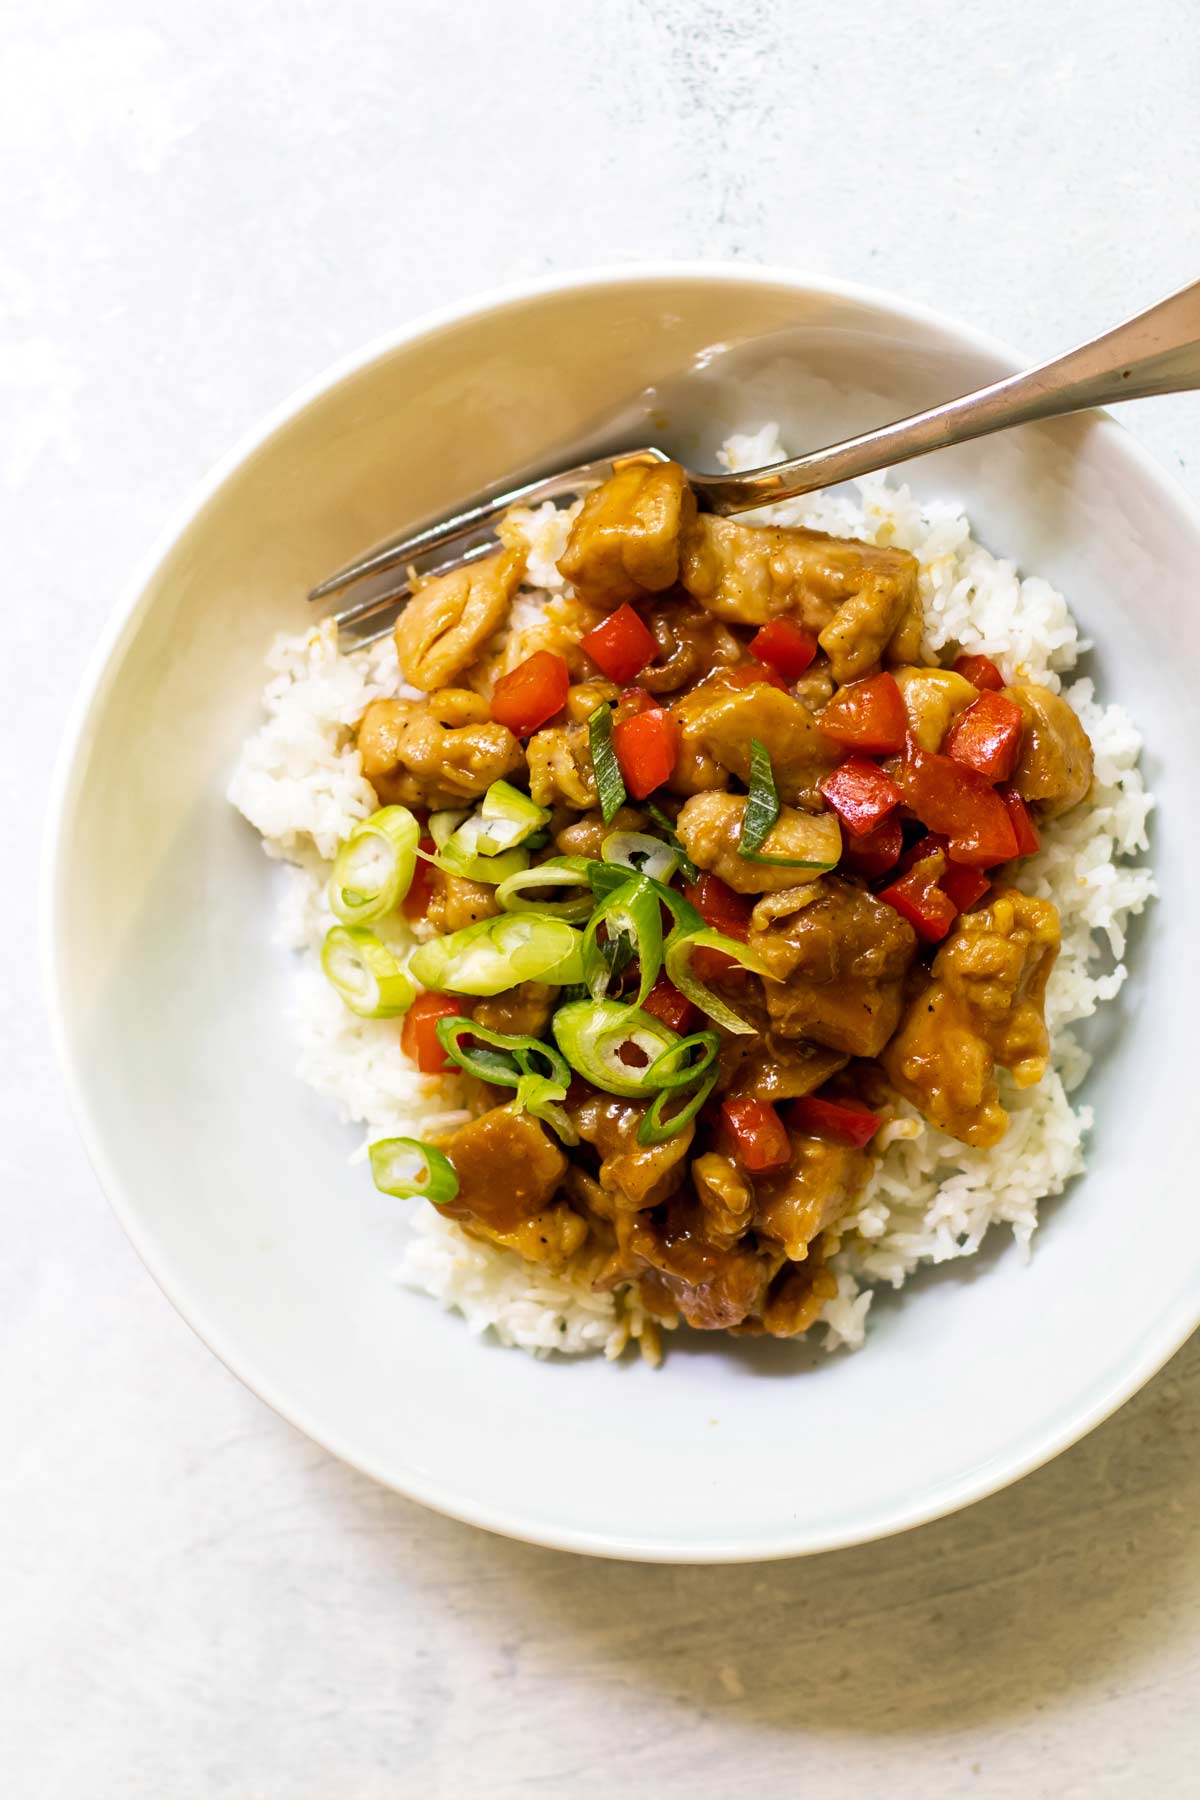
(760, 1142)
(785, 646)
(958, 802)
(647, 746)
(418, 1034)
(860, 794)
(877, 851)
(1022, 823)
(665, 1002)
(416, 902)
(964, 886)
(980, 671)
(987, 736)
(531, 693)
(867, 715)
(747, 673)
(847, 1120)
(720, 907)
(918, 898)
(622, 646)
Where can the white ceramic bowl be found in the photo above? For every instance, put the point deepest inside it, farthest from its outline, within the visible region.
(232, 1180)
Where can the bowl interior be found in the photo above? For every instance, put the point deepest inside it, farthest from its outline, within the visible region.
(233, 1180)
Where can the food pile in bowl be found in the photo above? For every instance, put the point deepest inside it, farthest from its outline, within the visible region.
(694, 911)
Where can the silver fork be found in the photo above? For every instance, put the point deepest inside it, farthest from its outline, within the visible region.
(1156, 352)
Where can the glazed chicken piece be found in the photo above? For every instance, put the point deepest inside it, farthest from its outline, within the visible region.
(691, 644)
(450, 619)
(683, 1272)
(636, 1175)
(797, 1296)
(716, 724)
(819, 1185)
(770, 1067)
(455, 902)
(626, 537)
(584, 835)
(560, 768)
(982, 1005)
(933, 699)
(1055, 770)
(583, 697)
(437, 752)
(710, 830)
(524, 1010)
(859, 600)
(509, 1170)
(726, 1199)
(839, 961)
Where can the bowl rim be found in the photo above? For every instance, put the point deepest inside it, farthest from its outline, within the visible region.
(1044, 1442)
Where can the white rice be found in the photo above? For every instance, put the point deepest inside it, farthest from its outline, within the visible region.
(930, 1199)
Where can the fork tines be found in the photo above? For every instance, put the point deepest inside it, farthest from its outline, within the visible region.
(372, 615)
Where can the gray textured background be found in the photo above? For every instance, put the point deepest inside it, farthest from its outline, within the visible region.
(201, 205)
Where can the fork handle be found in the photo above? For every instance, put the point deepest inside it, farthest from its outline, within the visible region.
(1157, 352)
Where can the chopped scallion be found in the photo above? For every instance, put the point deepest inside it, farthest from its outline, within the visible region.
(495, 954)
(520, 892)
(365, 973)
(611, 1045)
(373, 869)
(631, 922)
(644, 854)
(762, 811)
(409, 1169)
(610, 785)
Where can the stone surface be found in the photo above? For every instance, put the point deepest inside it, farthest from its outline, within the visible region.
(199, 208)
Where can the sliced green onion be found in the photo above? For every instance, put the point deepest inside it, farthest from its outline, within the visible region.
(593, 1034)
(631, 919)
(373, 869)
(762, 811)
(509, 818)
(409, 1169)
(658, 1126)
(543, 1098)
(687, 867)
(674, 1074)
(443, 825)
(500, 1057)
(644, 854)
(606, 878)
(491, 870)
(365, 973)
(518, 893)
(495, 954)
(677, 953)
(506, 1060)
(673, 1069)
(610, 785)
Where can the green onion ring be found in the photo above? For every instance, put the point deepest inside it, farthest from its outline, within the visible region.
(373, 869)
(641, 853)
(499, 953)
(560, 871)
(632, 918)
(365, 973)
(408, 1169)
(657, 1128)
(591, 1033)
